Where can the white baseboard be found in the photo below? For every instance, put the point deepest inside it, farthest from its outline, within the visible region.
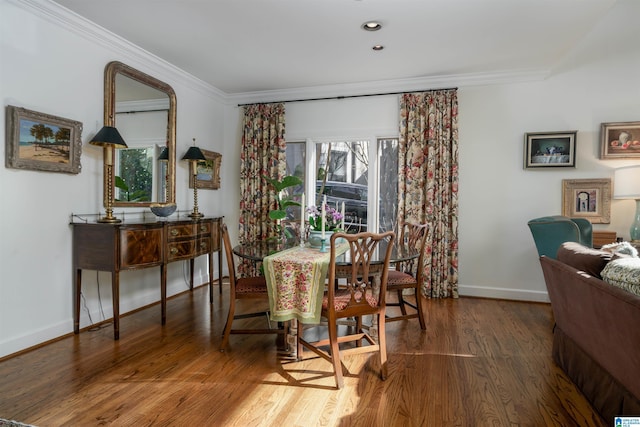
(503, 293)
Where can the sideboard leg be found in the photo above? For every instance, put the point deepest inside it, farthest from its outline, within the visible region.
(115, 290)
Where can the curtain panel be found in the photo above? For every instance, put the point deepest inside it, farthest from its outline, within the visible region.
(428, 182)
(263, 153)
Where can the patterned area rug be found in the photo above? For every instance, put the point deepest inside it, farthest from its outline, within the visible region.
(10, 423)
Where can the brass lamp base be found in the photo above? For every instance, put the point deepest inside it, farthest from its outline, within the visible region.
(109, 220)
(196, 215)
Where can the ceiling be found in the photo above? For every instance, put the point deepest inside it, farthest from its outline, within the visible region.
(248, 46)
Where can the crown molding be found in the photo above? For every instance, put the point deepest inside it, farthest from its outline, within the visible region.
(81, 26)
(391, 86)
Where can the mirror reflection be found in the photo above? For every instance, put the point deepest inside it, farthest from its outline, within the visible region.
(143, 110)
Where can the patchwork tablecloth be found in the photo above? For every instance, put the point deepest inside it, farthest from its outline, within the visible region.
(296, 281)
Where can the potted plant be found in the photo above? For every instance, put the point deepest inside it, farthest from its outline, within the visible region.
(283, 198)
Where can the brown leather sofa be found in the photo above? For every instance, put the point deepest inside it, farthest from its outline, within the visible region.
(596, 338)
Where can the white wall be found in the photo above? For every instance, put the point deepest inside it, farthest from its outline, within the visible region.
(598, 82)
(50, 66)
(52, 62)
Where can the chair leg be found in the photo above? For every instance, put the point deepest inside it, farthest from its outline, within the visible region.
(382, 343)
(335, 355)
(403, 309)
(419, 305)
(228, 325)
(300, 348)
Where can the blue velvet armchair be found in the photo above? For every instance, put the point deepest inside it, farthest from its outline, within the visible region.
(550, 232)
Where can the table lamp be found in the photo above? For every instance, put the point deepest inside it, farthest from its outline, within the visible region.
(109, 138)
(194, 155)
(627, 186)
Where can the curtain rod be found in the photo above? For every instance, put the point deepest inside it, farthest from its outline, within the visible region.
(347, 96)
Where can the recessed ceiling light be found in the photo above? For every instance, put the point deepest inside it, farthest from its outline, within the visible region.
(371, 26)
(378, 47)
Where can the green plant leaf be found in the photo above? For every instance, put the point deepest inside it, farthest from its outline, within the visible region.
(284, 204)
(121, 184)
(290, 181)
(287, 181)
(277, 214)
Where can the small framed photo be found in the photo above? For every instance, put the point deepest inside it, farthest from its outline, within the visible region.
(620, 140)
(42, 142)
(587, 198)
(550, 149)
(208, 175)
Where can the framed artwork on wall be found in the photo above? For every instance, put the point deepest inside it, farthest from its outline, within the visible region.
(587, 198)
(550, 149)
(208, 175)
(620, 140)
(42, 142)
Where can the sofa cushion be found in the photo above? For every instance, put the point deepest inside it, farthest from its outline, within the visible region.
(623, 273)
(583, 258)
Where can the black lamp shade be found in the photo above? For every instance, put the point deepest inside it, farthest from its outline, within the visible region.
(194, 153)
(108, 135)
(164, 154)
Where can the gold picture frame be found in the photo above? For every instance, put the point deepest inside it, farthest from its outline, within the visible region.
(587, 198)
(42, 142)
(208, 175)
(620, 140)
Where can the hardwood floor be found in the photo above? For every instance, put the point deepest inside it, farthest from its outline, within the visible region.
(479, 363)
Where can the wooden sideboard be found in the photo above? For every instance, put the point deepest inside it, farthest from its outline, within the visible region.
(143, 244)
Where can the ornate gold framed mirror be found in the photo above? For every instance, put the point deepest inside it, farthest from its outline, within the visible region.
(143, 109)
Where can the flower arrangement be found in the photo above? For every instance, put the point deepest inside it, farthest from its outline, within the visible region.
(333, 220)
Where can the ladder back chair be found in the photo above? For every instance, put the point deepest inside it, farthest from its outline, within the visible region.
(243, 288)
(361, 296)
(409, 275)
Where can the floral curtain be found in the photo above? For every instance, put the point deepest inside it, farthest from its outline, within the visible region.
(428, 182)
(262, 153)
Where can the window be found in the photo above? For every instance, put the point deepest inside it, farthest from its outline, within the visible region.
(344, 173)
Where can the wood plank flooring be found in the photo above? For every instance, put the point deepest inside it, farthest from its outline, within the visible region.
(481, 362)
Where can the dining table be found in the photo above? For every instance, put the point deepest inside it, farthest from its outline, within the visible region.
(296, 275)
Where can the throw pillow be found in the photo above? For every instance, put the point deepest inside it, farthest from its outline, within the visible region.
(583, 258)
(623, 273)
(624, 248)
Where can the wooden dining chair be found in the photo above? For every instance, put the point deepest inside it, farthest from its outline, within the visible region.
(362, 296)
(241, 289)
(409, 275)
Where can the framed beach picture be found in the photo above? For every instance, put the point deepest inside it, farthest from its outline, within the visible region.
(550, 149)
(42, 142)
(620, 140)
(208, 175)
(587, 198)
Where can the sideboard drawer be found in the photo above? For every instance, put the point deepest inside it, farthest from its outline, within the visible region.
(203, 246)
(140, 246)
(177, 231)
(180, 250)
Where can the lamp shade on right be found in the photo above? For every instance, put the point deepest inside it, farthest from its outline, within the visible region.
(194, 153)
(627, 183)
(627, 186)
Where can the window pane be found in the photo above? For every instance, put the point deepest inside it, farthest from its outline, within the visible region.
(388, 183)
(296, 166)
(342, 175)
